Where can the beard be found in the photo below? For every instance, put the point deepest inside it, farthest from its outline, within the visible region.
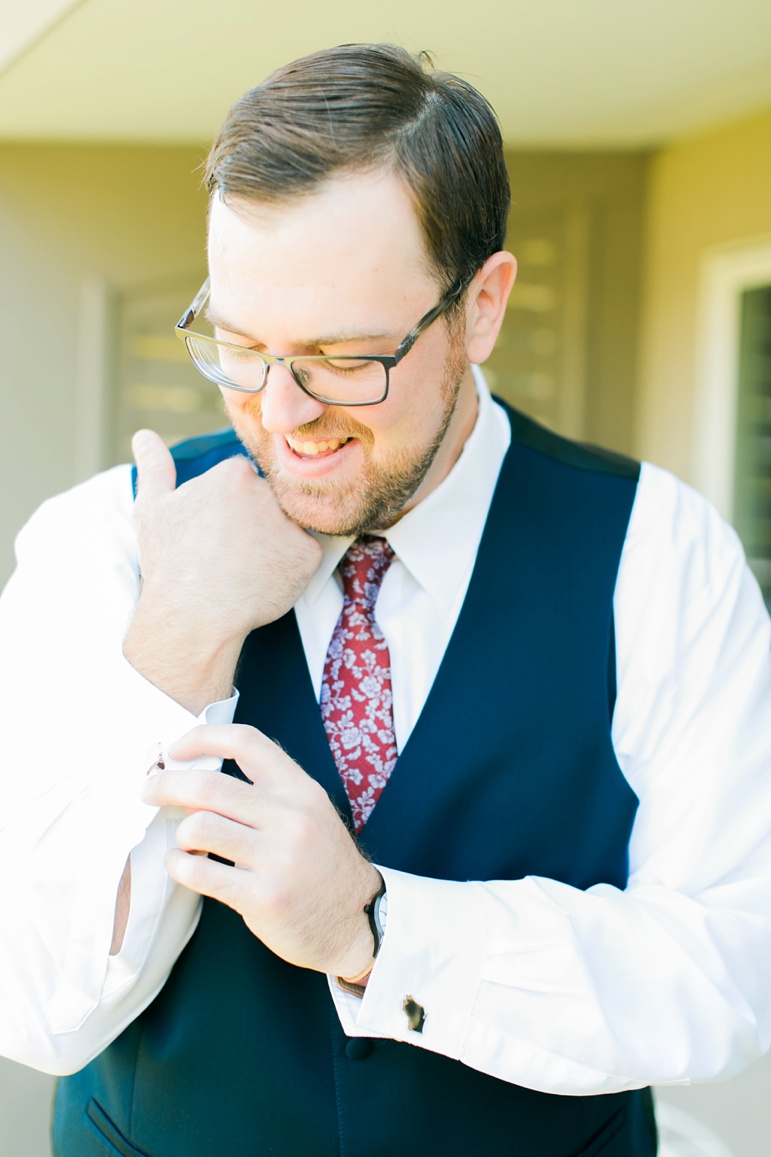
(376, 498)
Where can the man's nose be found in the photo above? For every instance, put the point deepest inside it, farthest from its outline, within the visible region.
(284, 406)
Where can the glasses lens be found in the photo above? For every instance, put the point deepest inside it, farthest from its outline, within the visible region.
(344, 381)
(347, 381)
(227, 365)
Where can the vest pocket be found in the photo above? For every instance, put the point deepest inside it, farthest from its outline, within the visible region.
(112, 1138)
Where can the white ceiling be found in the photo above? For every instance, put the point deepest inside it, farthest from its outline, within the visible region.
(573, 73)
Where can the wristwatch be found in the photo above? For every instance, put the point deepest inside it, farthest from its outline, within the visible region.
(377, 914)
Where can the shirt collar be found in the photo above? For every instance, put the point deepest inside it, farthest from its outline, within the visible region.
(437, 540)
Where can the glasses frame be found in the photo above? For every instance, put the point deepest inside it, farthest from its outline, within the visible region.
(388, 361)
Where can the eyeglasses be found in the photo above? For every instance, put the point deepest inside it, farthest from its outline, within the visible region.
(346, 380)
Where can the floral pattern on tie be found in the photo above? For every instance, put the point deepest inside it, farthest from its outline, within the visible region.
(356, 698)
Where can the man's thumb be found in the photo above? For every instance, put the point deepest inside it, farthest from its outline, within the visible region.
(156, 472)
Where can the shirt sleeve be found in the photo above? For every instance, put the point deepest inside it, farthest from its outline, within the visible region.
(80, 729)
(668, 981)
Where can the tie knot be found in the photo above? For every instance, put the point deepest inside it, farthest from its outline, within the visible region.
(363, 567)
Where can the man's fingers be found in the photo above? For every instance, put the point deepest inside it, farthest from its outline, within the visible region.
(205, 876)
(199, 791)
(156, 472)
(206, 832)
(258, 757)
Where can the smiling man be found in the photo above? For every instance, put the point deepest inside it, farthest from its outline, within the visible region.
(485, 831)
(352, 251)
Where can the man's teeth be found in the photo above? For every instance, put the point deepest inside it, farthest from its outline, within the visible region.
(312, 448)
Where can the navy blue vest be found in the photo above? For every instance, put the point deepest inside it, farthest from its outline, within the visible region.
(509, 771)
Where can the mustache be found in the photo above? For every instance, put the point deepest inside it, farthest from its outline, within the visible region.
(321, 429)
(327, 427)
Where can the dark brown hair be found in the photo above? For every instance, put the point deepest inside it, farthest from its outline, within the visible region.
(370, 106)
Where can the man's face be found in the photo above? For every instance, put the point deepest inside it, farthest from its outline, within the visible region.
(340, 271)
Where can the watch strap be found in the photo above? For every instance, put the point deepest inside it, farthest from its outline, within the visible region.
(375, 911)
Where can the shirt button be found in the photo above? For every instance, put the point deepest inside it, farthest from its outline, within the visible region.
(358, 1048)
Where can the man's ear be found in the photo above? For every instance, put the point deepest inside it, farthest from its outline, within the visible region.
(486, 304)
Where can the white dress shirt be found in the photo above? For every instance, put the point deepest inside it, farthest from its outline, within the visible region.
(531, 980)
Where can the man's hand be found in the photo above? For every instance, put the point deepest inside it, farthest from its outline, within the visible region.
(218, 557)
(299, 880)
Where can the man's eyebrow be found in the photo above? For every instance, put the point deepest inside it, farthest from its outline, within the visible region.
(345, 338)
(220, 322)
(324, 340)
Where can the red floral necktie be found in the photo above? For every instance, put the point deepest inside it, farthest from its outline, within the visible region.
(356, 699)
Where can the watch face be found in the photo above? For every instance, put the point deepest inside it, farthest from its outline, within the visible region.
(381, 914)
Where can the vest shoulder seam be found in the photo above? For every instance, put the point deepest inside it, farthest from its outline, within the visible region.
(529, 434)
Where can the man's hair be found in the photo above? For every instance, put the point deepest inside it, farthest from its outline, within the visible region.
(363, 107)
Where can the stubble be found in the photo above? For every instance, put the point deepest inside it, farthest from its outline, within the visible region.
(378, 497)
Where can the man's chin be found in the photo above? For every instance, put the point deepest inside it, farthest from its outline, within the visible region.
(344, 503)
(343, 515)
(324, 514)
(326, 509)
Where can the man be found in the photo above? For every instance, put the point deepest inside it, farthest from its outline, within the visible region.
(560, 888)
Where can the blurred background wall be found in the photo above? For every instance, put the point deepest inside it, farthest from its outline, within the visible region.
(706, 191)
(639, 147)
(81, 227)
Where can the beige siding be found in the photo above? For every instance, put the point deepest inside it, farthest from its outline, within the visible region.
(711, 190)
(69, 215)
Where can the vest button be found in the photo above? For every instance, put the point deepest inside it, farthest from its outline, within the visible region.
(358, 1048)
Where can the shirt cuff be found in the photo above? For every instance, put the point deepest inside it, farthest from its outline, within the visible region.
(146, 833)
(427, 973)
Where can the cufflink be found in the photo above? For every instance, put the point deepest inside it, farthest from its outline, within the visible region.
(159, 763)
(415, 1013)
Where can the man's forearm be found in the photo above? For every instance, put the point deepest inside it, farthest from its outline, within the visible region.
(192, 668)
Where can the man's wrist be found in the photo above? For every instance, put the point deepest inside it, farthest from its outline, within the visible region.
(192, 668)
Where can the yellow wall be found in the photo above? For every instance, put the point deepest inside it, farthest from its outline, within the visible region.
(713, 189)
(589, 206)
(128, 215)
